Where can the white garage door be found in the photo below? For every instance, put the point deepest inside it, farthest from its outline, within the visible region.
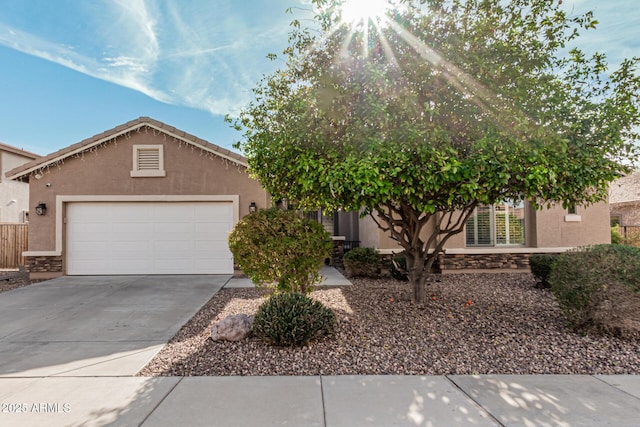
(149, 238)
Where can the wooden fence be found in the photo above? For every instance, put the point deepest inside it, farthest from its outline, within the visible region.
(13, 241)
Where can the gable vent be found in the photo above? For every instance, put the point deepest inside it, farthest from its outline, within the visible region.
(148, 159)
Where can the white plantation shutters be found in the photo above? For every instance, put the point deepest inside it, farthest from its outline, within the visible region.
(498, 225)
(148, 161)
(479, 228)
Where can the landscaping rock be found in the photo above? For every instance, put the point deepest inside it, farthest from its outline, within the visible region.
(232, 328)
(472, 323)
(10, 280)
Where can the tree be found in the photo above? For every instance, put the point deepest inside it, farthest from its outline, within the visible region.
(440, 106)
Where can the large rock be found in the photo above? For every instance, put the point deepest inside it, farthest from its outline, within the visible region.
(232, 328)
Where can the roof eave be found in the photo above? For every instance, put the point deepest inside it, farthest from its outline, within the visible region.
(25, 170)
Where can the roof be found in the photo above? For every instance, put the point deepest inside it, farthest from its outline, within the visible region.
(18, 151)
(109, 135)
(625, 189)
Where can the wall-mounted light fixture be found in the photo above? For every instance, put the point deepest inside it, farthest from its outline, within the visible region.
(253, 207)
(41, 209)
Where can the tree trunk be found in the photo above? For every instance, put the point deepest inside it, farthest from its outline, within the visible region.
(417, 275)
(405, 225)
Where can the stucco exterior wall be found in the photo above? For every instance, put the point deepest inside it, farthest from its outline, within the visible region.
(545, 228)
(106, 171)
(369, 233)
(11, 160)
(14, 195)
(556, 228)
(14, 200)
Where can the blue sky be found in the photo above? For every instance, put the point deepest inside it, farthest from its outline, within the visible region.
(70, 69)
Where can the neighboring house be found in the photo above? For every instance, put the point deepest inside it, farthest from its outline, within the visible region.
(624, 200)
(142, 198)
(504, 236)
(14, 195)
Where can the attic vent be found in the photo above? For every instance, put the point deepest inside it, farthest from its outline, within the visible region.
(148, 161)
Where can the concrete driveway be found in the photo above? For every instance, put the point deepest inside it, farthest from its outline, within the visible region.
(95, 326)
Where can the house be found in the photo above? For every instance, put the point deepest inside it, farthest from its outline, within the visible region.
(624, 200)
(146, 198)
(142, 198)
(14, 195)
(503, 236)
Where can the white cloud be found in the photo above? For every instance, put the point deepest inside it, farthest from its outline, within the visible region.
(208, 57)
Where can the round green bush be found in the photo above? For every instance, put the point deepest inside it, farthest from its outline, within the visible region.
(598, 287)
(362, 262)
(290, 319)
(541, 265)
(275, 246)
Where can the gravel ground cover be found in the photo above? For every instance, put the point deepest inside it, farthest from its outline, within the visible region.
(10, 280)
(473, 324)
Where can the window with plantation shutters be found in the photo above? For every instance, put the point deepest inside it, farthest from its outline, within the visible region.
(498, 225)
(148, 161)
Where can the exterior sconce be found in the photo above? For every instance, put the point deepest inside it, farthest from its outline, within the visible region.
(253, 207)
(41, 209)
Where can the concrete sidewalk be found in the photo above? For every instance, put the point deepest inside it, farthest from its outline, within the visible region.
(500, 400)
(330, 277)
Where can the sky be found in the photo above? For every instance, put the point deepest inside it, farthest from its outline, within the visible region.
(70, 69)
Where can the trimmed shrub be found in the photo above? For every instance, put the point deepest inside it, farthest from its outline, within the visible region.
(541, 265)
(401, 273)
(598, 288)
(364, 262)
(293, 319)
(616, 237)
(275, 246)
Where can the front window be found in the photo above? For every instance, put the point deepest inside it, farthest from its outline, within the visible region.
(497, 225)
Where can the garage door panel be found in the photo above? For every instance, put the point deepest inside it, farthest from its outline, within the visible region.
(119, 236)
(209, 250)
(173, 213)
(177, 228)
(172, 249)
(149, 238)
(89, 249)
(126, 249)
(172, 266)
(226, 263)
(90, 228)
(131, 227)
(215, 228)
(83, 265)
(222, 210)
(128, 266)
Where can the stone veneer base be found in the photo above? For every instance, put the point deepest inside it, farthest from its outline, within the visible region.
(44, 264)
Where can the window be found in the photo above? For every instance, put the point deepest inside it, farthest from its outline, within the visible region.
(328, 221)
(572, 214)
(148, 161)
(498, 225)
